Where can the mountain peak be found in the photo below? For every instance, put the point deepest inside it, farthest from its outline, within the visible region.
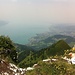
(58, 48)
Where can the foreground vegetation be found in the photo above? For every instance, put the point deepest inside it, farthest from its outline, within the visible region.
(60, 67)
(7, 49)
(57, 51)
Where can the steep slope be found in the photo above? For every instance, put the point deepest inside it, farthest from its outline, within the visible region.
(23, 51)
(21, 47)
(7, 68)
(55, 49)
(58, 48)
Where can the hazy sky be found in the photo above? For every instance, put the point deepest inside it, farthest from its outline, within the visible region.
(25, 17)
(30, 11)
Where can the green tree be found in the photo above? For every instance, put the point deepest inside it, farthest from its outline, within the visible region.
(7, 48)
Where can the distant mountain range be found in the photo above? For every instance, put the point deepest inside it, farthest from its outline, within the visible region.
(55, 33)
(40, 43)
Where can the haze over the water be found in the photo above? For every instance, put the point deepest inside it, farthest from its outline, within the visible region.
(26, 18)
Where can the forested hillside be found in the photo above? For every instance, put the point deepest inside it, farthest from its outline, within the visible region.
(23, 51)
(53, 50)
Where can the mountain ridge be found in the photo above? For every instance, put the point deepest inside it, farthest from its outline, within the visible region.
(53, 50)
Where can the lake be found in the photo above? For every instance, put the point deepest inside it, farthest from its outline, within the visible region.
(21, 33)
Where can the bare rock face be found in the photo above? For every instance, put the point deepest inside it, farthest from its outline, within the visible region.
(10, 69)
